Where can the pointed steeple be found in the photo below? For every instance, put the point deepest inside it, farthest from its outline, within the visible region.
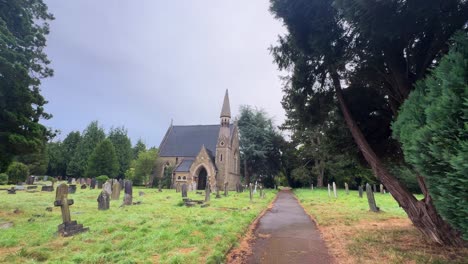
(226, 110)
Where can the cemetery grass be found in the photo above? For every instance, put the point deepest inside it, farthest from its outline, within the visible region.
(159, 230)
(354, 234)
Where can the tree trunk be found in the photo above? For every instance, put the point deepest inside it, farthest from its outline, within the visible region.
(422, 213)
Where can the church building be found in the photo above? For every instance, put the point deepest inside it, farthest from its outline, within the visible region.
(202, 154)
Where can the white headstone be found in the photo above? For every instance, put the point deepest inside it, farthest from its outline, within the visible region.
(329, 192)
(334, 189)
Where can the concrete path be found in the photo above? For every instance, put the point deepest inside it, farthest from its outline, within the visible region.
(286, 234)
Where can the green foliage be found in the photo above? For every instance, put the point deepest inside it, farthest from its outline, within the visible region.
(123, 149)
(433, 129)
(302, 175)
(56, 157)
(92, 136)
(139, 147)
(102, 178)
(36, 162)
(23, 63)
(144, 166)
(259, 145)
(3, 178)
(103, 160)
(17, 172)
(69, 147)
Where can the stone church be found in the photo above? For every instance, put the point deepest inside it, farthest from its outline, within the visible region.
(202, 154)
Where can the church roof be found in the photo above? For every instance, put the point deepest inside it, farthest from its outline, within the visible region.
(186, 141)
(184, 165)
(226, 110)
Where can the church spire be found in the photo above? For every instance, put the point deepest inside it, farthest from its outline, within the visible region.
(226, 110)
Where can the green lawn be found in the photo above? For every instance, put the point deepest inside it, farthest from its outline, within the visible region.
(356, 235)
(159, 230)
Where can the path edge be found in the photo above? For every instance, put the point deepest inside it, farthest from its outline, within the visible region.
(238, 254)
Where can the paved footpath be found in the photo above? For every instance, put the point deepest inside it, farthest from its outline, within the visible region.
(286, 234)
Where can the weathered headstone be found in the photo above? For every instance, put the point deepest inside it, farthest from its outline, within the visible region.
(346, 187)
(225, 189)
(11, 190)
(93, 183)
(88, 181)
(115, 191)
(360, 191)
(19, 187)
(251, 192)
(30, 180)
(99, 184)
(329, 191)
(68, 227)
(178, 187)
(128, 188)
(334, 189)
(72, 188)
(217, 191)
(370, 198)
(381, 189)
(103, 200)
(84, 186)
(47, 189)
(255, 189)
(207, 192)
(45, 178)
(69, 180)
(312, 186)
(107, 187)
(184, 191)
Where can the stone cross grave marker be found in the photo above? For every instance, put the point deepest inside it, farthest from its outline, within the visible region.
(334, 189)
(346, 188)
(68, 227)
(128, 188)
(115, 191)
(226, 189)
(370, 198)
(103, 201)
(360, 191)
(184, 192)
(329, 192)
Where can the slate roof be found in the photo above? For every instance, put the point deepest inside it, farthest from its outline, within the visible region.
(186, 141)
(184, 165)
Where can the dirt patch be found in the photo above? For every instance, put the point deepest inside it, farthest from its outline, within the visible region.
(238, 254)
(186, 250)
(8, 251)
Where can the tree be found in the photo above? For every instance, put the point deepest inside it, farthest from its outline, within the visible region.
(92, 136)
(259, 146)
(23, 63)
(123, 149)
(17, 172)
(384, 46)
(36, 162)
(144, 166)
(57, 164)
(103, 160)
(69, 147)
(432, 126)
(139, 147)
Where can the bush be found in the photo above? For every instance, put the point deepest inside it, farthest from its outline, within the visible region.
(17, 172)
(102, 178)
(3, 178)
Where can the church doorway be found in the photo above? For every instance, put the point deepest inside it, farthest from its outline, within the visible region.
(202, 175)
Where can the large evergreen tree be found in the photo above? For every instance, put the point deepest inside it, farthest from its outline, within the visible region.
(56, 165)
(139, 147)
(103, 160)
(92, 136)
(69, 147)
(23, 63)
(433, 127)
(123, 148)
(384, 46)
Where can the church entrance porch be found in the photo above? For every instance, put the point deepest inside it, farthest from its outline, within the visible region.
(201, 183)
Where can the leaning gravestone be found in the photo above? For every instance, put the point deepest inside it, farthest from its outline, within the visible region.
(360, 191)
(107, 187)
(72, 188)
(346, 188)
(103, 200)
(68, 227)
(128, 189)
(334, 189)
(115, 191)
(370, 198)
(184, 191)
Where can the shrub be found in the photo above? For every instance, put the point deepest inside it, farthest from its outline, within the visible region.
(102, 178)
(3, 178)
(17, 172)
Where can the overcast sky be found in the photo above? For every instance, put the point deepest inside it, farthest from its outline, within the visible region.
(142, 63)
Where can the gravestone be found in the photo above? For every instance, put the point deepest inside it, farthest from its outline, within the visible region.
(184, 191)
(217, 191)
(255, 189)
(68, 227)
(19, 187)
(30, 180)
(334, 189)
(225, 189)
(329, 191)
(346, 188)
(207, 192)
(47, 189)
(72, 188)
(177, 187)
(251, 192)
(88, 181)
(128, 189)
(84, 186)
(45, 178)
(103, 200)
(375, 188)
(360, 191)
(99, 184)
(312, 186)
(381, 189)
(115, 191)
(237, 188)
(69, 180)
(107, 187)
(11, 190)
(370, 198)
(73, 181)
(93, 183)
(261, 191)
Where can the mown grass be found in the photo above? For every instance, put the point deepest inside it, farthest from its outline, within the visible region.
(356, 235)
(159, 230)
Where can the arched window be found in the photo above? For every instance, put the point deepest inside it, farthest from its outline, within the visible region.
(184, 178)
(178, 177)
